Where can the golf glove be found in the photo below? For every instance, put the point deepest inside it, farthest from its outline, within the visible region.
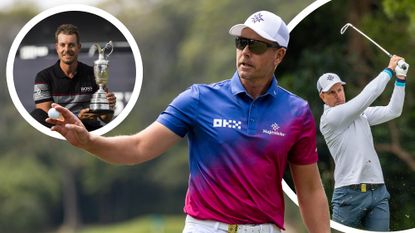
(402, 68)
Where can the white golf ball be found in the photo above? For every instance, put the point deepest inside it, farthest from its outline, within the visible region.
(53, 113)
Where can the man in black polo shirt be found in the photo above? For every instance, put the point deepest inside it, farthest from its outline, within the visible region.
(68, 82)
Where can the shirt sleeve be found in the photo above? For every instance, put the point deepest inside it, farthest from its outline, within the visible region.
(344, 114)
(181, 113)
(304, 151)
(380, 114)
(41, 92)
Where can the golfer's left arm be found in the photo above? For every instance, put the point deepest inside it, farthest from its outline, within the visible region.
(311, 197)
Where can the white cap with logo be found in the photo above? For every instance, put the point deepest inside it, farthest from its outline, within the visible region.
(266, 24)
(327, 80)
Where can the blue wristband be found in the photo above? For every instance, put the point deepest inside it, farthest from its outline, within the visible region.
(400, 82)
(389, 71)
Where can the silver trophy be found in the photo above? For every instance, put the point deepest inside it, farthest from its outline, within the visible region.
(99, 103)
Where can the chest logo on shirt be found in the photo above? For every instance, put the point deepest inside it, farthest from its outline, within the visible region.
(225, 123)
(274, 130)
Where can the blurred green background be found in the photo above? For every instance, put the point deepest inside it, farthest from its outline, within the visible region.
(48, 186)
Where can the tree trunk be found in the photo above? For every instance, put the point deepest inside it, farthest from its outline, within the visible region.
(71, 214)
(357, 45)
(395, 146)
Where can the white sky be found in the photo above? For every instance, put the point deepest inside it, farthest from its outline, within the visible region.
(44, 4)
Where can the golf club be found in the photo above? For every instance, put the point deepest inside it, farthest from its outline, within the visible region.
(347, 25)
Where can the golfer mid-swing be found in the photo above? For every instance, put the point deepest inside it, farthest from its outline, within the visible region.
(360, 198)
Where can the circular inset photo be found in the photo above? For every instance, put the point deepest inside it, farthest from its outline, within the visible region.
(339, 54)
(80, 57)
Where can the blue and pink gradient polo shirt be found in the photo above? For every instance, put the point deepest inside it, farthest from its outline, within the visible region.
(239, 148)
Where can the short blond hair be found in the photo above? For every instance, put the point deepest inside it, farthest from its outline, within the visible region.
(67, 29)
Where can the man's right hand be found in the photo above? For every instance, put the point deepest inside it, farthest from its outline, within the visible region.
(393, 62)
(70, 127)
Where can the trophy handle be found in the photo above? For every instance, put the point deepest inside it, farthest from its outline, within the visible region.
(93, 48)
(108, 46)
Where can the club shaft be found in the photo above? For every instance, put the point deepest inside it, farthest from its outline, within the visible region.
(370, 39)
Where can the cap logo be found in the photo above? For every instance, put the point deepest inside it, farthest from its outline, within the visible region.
(330, 77)
(257, 18)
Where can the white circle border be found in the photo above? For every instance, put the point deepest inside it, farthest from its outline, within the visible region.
(82, 8)
(288, 191)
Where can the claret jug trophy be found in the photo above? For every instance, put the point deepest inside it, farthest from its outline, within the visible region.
(99, 103)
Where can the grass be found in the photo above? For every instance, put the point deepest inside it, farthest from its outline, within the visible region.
(147, 224)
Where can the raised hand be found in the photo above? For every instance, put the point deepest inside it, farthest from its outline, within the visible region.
(70, 127)
(402, 69)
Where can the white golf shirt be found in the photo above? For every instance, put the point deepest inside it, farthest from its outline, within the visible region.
(346, 129)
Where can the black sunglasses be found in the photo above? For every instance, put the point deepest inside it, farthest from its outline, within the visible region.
(255, 46)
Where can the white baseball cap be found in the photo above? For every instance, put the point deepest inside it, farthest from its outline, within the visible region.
(327, 80)
(266, 24)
